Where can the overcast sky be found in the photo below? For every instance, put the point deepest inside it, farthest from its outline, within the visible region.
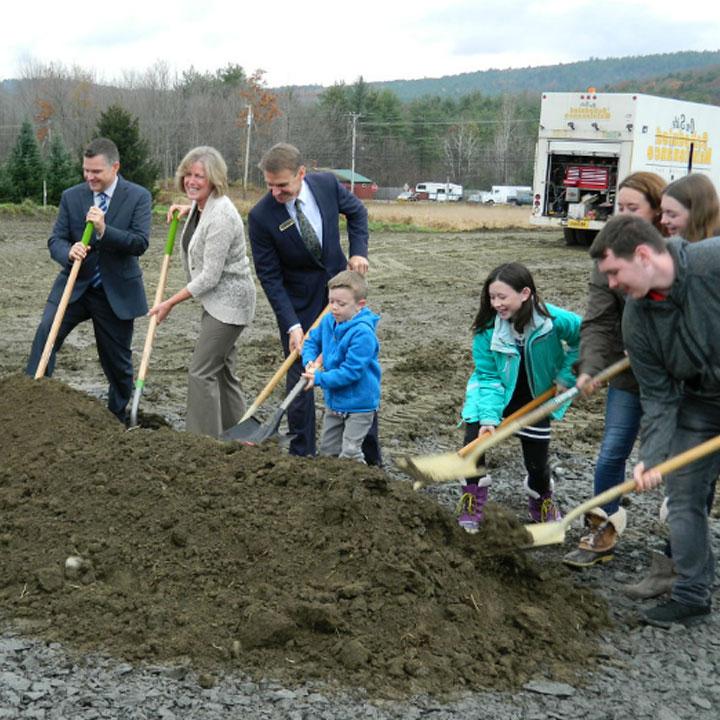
(327, 41)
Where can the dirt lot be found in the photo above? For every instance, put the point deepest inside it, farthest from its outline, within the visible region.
(215, 552)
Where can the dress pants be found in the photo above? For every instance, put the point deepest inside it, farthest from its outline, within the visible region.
(215, 400)
(113, 338)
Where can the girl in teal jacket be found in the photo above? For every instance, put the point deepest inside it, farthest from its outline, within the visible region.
(521, 347)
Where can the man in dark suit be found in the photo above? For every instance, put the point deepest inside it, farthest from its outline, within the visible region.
(296, 249)
(109, 288)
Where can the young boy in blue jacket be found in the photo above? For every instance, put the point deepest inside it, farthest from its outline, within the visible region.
(345, 346)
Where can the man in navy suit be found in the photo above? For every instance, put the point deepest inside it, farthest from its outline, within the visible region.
(294, 274)
(109, 288)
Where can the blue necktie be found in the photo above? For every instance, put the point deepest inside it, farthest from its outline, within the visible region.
(96, 280)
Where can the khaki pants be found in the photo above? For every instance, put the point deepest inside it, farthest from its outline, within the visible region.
(215, 401)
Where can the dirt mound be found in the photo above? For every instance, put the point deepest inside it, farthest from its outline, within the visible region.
(185, 549)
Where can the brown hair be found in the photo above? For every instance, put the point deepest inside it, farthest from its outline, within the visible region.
(622, 234)
(697, 194)
(651, 186)
(282, 156)
(351, 280)
(105, 147)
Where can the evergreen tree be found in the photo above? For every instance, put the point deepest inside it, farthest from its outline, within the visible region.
(25, 170)
(61, 170)
(124, 130)
(5, 186)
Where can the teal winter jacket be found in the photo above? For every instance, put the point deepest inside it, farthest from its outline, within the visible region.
(551, 349)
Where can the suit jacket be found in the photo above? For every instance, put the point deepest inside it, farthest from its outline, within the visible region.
(126, 237)
(294, 282)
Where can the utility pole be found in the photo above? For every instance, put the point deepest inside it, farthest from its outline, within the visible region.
(355, 117)
(247, 146)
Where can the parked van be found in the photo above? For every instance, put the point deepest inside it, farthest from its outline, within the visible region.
(441, 192)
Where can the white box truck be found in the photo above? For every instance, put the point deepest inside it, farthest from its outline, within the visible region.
(588, 142)
(442, 192)
(508, 194)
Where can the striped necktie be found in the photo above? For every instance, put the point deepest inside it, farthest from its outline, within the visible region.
(308, 234)
(96, 280)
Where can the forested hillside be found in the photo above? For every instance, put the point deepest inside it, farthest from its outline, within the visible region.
(566, 77)
(701, 86)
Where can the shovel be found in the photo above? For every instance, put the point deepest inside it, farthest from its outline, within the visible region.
(62, 307)
(252, 432)
(152, 326)
(535, 402)
(449, 466)
(554, 532)
(279, 375)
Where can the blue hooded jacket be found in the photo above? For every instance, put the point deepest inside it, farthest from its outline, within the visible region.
(351, 372)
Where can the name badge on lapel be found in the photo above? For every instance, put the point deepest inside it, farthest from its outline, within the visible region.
(287, 224)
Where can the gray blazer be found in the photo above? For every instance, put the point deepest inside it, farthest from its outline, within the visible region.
(217, 265)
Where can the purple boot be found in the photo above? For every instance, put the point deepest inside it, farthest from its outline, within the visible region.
(470, 508)
(541, 506)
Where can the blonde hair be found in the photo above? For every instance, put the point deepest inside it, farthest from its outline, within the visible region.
(351, 280)
(213, 163)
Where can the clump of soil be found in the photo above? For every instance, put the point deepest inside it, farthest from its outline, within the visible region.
(231, 557)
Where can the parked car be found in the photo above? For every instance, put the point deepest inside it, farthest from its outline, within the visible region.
(523, 197)
(481, 196)
(408, 196)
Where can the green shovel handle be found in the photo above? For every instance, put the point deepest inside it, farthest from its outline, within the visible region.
(170, 243)
(87, 234)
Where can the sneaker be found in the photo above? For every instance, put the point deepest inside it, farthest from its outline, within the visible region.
(470, 508)
(674, 613)
(543, 508)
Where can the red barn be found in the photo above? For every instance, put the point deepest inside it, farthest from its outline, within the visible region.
(365, 188)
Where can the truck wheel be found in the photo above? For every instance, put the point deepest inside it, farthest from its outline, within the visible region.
(585, 237)
(570, 235)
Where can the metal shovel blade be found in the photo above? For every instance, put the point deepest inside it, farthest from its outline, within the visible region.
(135, 406)
(253, 432)
(247, 431)
(548, 533)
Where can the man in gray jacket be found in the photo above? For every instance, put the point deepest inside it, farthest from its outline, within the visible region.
(671, 330)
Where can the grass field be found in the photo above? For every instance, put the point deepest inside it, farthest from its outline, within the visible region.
(424, 215)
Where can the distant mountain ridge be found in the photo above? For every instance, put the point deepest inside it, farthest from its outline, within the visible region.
(595, 72)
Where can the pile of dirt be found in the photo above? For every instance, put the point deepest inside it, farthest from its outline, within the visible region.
(227, 557)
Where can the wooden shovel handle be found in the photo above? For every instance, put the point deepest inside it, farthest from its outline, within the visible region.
(544, 410)
(159, 293)
(62, 307)
(536, 402)
(665, 468)
(281, 371)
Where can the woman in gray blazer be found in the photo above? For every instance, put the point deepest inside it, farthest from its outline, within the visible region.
(218, 271)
